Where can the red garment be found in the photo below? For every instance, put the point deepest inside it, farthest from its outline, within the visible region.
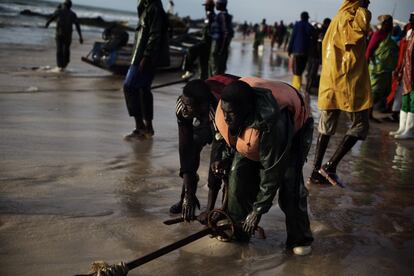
(375, 41)
(407, 74)
(218, 82)
(395, 80)
(407, 27)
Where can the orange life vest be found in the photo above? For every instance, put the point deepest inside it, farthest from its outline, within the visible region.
(248, 142)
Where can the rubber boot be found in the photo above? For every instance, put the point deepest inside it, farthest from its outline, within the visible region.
(177, 207)
(329, 169)
(401, 128)
(321, 146)
(408, 132)
(297, 82)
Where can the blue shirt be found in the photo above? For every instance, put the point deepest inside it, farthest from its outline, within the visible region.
(222, 27)
(301, 38)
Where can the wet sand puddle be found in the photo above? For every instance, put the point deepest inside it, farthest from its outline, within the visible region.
(73, 192)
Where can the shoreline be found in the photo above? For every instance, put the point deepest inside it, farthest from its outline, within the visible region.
(72, 191)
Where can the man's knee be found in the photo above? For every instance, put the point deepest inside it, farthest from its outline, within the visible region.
(360, 124)
(328, 122)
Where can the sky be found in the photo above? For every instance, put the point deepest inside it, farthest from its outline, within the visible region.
(272, 10)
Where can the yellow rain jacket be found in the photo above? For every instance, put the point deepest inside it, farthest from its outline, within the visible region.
(345, 82)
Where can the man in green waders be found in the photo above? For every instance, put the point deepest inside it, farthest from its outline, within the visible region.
(268, 131)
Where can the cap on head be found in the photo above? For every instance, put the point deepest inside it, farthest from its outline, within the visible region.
(304, 15)
(384, 17)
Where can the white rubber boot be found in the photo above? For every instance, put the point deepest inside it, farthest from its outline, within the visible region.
(408, 133)
(403, 120)
(302, 250)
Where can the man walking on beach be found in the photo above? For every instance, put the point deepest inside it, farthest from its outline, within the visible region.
(299, 48)
(151, 49)
(64, 18)
(345, 86)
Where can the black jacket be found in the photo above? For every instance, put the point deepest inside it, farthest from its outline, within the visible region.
(64, 18)
(151, 37)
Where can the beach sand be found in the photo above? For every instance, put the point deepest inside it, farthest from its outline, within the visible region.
(72, 191)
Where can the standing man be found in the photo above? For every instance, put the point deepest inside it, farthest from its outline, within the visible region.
(151, 49)
(281, 32)
(64, 18)
(344, 87)
(407, 109)
(221, 33)
(315, 55)
(202, 49)
(382, 56)
(274, 35)
(403, 69)
(299, 44)
(268, 131)
(245, 29)
(260, 35)
(195, 111)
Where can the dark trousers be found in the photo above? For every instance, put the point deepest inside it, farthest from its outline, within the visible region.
(293, 193)
(190, 163)
(299, 64)
(63, 51)
(312, 73)
(244, 185)
(200, 51)
(138, 95)
(218, 58)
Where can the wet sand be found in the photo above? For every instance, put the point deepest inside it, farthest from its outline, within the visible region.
(72, 191)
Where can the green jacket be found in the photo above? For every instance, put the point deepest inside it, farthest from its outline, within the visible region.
(151, 37)
(276, 133)
(385, 57)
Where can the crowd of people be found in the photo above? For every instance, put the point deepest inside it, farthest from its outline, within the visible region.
(260, 130)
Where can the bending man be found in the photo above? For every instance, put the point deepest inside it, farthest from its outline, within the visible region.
(268, 131)
(195, 111)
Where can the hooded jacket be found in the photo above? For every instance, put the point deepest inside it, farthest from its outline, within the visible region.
(345, 82)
